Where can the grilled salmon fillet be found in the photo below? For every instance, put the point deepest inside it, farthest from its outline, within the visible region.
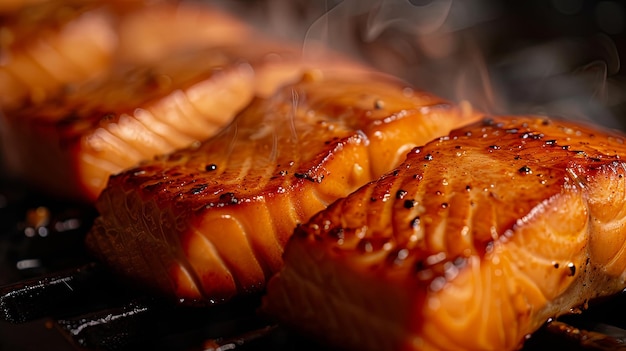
(471, 243)
(44, 47)
(70, 145)
(209, 222)
(176, 74)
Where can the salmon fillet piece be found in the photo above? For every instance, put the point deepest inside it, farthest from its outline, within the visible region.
(69, 146)
(472, 243)
(178, 72)
(209, 222)
(45, 47)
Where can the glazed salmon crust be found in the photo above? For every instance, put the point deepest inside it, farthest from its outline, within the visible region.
(472, 243)
(210, 221)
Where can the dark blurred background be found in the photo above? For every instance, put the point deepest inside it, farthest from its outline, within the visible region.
(556, 57)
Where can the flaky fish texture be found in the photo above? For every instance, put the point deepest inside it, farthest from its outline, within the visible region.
(472, 243)
(69, 146)
(47, 46)
(176, 73)
(209, 222)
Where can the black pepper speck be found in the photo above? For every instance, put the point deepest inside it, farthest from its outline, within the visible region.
(572, 269)
(415, 222)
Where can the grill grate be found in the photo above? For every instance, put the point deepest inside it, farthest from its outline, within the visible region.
(49, 289)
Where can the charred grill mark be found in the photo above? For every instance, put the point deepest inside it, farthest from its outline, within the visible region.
(310, 177)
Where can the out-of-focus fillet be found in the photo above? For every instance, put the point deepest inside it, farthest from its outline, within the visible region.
(209, 222)
(45, 46)
(49, 45)
(70, 145)
(471, 243)
(10, 6)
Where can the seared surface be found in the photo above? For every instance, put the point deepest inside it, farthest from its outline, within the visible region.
(69, 146)
(472, 243)
(49, 46)
(164, 86)
(210, 221)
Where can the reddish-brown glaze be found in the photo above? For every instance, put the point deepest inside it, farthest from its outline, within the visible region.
(47, 46)
(210, 221)
(69, 143)
(472, 243)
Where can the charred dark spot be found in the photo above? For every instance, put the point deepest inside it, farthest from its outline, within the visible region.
(488, 121)
(415, 222)
(409, 203)
(546, 122)
(300, 232)
(400, 194)
(397, 257)
(428, 157)
(525, 170)
(517, 157)
(555, 264)
(228, 198)
(489, 247)
(444, 205)
(494, 147)
(550, 142)
(283, 173)
(595, 159)
(198, 189)
(468, 187)
(210, 167)
(457, 146)
(531, 135)
(379, 104)
(174, 157)
(460, 262)
(572, 269)
(396, 172)
(337, 234)
(565, 147)
(365, 245)
(373, 199)
(309, 177)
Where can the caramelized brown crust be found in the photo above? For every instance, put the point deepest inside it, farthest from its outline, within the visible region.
(471, 243)
(72, 144)
(176, 75)
(210, 221)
